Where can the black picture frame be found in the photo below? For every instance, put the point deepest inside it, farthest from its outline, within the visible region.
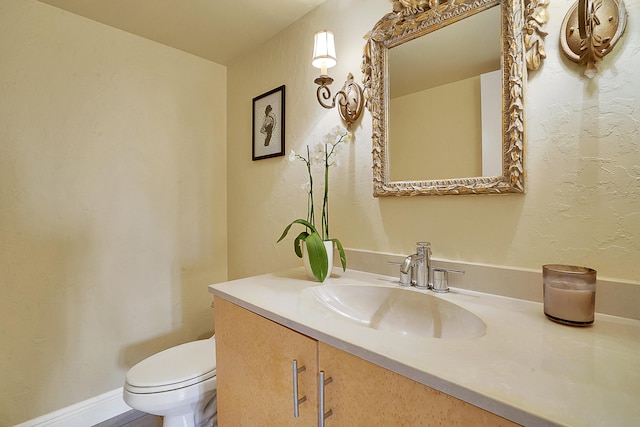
(268, 124)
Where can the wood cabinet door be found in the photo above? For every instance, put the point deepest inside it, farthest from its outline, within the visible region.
(255, 373)
(364, 394)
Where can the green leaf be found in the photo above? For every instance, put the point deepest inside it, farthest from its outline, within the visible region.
(343, 258)
(297, 221)
(284, 233)
(296, 243)
(317, 253)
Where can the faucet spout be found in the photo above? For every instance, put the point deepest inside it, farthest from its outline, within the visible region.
(410, 269)
(408, 263)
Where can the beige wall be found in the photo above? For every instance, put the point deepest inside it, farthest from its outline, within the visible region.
(112, 204)
(419, 119)
(583, 180)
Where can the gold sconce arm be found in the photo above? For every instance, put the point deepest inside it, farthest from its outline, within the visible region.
(323, 91)
(350, 98)
(591, 29)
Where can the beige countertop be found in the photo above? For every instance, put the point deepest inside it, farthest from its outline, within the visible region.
(525, 368)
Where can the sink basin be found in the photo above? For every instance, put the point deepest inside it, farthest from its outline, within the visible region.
(399, 310)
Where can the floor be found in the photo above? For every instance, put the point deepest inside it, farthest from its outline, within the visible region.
(132, 419)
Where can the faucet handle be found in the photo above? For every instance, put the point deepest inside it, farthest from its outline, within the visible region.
(421, 247)
(441, 278)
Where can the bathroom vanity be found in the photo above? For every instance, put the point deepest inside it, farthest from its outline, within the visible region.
(522, 370)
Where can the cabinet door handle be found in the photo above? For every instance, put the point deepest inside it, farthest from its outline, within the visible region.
(322, 415)
(296, 401)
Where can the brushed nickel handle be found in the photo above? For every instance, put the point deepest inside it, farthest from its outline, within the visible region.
(297, 401)
(322, 415)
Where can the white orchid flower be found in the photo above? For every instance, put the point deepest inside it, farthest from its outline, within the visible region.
(319, 152)
(292, 156)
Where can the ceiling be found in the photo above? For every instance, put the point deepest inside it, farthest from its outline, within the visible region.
(456, 52)
(218, 30)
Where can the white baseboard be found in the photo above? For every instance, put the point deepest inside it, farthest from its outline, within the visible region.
(83, 414)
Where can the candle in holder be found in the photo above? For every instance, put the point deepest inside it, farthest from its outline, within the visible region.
(569, 294)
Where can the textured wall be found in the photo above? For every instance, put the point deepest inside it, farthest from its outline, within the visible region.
(583, 154)
(112, 204)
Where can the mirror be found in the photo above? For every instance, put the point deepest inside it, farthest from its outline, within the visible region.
(442, 95)
(471, 139)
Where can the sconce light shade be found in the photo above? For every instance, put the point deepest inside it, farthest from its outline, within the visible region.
(324, 51)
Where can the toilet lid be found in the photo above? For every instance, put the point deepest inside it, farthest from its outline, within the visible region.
(178, 364)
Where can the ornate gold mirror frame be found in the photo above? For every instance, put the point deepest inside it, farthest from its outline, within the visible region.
(522, 47)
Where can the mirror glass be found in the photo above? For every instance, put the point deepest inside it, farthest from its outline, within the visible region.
(458, 100)
(444, 82)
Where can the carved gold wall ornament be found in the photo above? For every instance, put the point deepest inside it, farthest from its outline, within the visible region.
(536, 17)
(590, 30)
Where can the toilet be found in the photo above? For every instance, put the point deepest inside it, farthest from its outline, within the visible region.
(178, 384)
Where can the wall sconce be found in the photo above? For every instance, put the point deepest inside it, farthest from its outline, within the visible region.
(350, 98)
(590, 30)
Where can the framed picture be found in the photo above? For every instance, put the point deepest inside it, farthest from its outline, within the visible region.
(268, 124)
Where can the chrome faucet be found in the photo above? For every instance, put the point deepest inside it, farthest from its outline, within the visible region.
(417, 270)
